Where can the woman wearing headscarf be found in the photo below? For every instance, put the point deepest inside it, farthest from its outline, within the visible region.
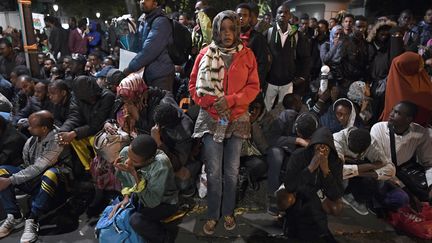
(408, 80)
(331, 53)
(340, 116)
(224, 81)
(359, 94)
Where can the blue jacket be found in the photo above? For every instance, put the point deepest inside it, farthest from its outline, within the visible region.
(153, 52)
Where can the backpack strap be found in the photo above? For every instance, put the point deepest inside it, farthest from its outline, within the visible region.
(392, 145)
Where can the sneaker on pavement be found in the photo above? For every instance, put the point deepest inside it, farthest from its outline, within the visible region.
(31, 231)
(10, 224)
(360, 208)
(272, 208)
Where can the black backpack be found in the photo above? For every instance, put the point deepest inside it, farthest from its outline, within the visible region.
(181, 47)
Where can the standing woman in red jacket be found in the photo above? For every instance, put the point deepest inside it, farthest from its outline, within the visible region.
(223, 82)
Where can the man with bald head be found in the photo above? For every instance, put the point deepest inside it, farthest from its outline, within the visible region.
(40, 176)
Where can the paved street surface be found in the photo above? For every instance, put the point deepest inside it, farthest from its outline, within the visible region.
(254, 225)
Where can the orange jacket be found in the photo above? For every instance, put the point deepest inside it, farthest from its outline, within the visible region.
(241, 84)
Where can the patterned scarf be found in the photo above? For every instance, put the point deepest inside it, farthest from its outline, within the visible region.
(212, 70)
(212, 67)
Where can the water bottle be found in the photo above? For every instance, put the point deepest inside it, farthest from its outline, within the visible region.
(324, 78)
(221, 128)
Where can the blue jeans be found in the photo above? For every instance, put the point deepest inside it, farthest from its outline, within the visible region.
(275, 158)
(222, 162)
(47, 191)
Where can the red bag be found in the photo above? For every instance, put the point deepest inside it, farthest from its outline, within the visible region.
(418, 224)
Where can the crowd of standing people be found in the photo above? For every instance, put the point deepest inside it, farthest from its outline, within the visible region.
(329, 112)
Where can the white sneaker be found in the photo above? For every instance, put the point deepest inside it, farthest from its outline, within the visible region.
(10, 224)
(31, 231)
(360, 208)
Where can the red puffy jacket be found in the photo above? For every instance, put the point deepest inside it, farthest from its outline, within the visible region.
(241, 84)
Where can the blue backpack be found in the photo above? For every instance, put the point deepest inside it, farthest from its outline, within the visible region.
(117, 229)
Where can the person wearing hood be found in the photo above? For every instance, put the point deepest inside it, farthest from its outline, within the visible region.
(94, 37)
(224, 81)
(172, 133)
(89, 109)
(359, 93)
(289, 131)
(341, 115)
(312, 188)
(408, 80)
(382, 49)
(155, 34)
(331, 53)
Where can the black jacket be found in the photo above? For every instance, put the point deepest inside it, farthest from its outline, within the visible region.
(258, 45)
(290, 61)
(156, 97)
(306, 218)
(59, 41)
(11, 146)
(61, 111)
(177, 140)
(85, 118)
(300, 180)
(281, 130)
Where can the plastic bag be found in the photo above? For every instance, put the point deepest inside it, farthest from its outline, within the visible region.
(202, 183)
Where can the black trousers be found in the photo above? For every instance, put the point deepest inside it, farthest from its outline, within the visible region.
(147, 222)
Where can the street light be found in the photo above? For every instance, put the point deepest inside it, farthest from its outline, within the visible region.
(55, 7)
(98, 15)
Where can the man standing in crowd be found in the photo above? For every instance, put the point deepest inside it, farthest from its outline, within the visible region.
(291, 58)
(255, 41)
(348, 24)
(58, 39)
(155, 34)
(77, 40)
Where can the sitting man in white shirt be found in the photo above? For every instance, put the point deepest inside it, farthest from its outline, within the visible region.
(364, 165)
(412, 145)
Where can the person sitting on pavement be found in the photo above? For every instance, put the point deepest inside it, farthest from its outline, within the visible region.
(11, 144)
(101, 76)
(27, 88)
(364, 165)
(41, 175)
(75, 69)
(313, 170)
(342, 114)
(89, 109)
(60, 96)
(412, 145)
(146, 172)
(172, 132)
(294, 132)
(9, 59)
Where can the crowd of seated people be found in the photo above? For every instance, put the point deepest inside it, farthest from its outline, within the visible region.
(258, 113)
